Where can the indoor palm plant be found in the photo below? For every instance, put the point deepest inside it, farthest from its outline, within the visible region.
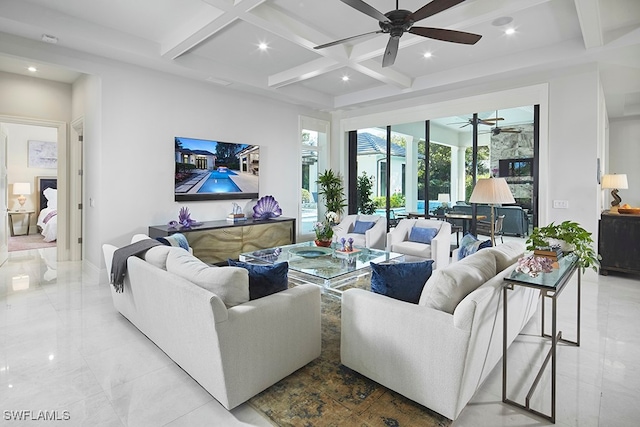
(577, 239)
(333, 191)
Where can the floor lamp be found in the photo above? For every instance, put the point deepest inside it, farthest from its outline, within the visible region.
(492, 191)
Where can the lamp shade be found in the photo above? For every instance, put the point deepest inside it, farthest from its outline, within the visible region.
(21, 188)
(491, 191)
(443, 197)
(618, 181)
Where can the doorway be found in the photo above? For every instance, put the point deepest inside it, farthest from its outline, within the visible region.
(19, 168)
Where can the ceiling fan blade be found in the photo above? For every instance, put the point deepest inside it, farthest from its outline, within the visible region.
(492, 119)
(366, 9)
(322, 46)
(390, 52)
(430, 9)
(446, 35)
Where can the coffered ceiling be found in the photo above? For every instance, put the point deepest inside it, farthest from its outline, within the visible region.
(218, 41)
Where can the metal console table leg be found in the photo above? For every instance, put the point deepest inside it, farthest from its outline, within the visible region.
(556, 337)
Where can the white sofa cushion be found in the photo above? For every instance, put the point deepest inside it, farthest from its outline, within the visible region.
(231, 284)
(157, 255)
(448, 286)
(506, 254)
(412, 248)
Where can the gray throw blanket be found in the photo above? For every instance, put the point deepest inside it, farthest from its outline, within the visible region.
(120, 256)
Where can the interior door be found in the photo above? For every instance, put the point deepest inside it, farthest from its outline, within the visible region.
(4, 228)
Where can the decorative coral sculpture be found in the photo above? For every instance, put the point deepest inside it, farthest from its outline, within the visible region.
(267, 207)
(184, 218)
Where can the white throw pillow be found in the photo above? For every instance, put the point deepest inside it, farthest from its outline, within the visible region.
(157, 255)
(231, 284)
(448, 286)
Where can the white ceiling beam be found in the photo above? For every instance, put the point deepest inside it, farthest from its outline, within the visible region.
(303, 72)
(231, 13)
(590, 22)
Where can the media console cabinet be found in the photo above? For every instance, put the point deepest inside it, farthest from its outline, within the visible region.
(214, 242)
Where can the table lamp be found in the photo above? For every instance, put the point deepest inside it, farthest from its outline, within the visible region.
(21, 188)
(492, 191)
(615, 182)
(444, 199)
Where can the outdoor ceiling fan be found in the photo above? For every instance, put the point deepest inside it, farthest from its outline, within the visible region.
(488, 122)
(498, 130)
(398, 21)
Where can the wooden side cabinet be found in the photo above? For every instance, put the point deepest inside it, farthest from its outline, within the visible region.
(214, 242)
(619, 243)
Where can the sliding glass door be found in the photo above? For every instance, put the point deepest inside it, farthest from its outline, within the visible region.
(428, 167)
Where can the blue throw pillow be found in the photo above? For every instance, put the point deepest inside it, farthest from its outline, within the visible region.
(176, 239)
(403, 281)
(361, 227)
(470, 245)
(422, 234)
(265, 279)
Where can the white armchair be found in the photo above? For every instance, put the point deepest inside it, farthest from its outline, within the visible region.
(373, 238)
(438, 250)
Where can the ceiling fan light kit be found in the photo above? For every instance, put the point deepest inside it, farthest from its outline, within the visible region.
(400, 21)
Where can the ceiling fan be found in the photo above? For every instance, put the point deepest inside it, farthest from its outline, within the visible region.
(398, 21)
(488, 122)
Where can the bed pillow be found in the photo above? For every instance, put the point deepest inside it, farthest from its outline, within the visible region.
(403, 281)
(265, 279)
(51, 195)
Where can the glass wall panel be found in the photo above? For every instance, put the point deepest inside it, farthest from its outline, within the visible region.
(314, 160)
(372, 165)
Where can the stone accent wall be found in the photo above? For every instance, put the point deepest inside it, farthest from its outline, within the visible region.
(514, 146)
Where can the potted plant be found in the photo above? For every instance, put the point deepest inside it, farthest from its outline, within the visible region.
(333, 191)
(576, 239)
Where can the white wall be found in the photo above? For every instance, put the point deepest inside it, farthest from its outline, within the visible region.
(624, 157)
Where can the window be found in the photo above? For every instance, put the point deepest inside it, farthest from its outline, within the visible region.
(314, 159)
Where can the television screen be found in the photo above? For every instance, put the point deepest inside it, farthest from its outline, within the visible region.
(516, 167)
(215, 170)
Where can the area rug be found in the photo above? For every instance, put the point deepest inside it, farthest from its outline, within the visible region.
(326, 393)
(26, 242)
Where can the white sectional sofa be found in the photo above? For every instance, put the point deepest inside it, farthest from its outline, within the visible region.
(233, 352)
(439, 351)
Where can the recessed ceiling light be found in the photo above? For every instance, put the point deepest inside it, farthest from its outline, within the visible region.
(263, 46)
(510, 31)
(427, 54)
(503, 20)
(345, 78)
(32, 69)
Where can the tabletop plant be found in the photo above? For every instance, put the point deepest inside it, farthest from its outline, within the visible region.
(577, 239)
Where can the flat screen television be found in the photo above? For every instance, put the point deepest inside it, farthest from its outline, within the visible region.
(215, 170)
(516, 167)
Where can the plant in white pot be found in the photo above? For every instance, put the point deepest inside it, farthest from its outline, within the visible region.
(571, 237)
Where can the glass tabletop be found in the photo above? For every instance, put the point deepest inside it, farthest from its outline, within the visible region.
(325, 263)
(566, 265)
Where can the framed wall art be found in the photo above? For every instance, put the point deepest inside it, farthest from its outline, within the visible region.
(43, 154)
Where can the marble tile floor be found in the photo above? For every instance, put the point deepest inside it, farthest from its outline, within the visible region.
(64, 348)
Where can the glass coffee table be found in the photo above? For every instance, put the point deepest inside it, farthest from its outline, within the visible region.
(325, 267)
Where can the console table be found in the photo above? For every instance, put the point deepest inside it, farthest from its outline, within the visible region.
(551, 286)
(214, 242)
(618, 237)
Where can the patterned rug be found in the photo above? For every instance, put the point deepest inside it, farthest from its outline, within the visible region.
(326, 393)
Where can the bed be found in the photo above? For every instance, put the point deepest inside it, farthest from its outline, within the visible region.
(48, 208)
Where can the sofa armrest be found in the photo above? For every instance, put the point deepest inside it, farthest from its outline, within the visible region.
(375, 237)
(441, 245)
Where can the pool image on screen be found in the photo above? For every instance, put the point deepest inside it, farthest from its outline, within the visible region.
(209, 170)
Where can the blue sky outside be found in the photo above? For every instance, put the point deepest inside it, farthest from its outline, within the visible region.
(203, 144)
